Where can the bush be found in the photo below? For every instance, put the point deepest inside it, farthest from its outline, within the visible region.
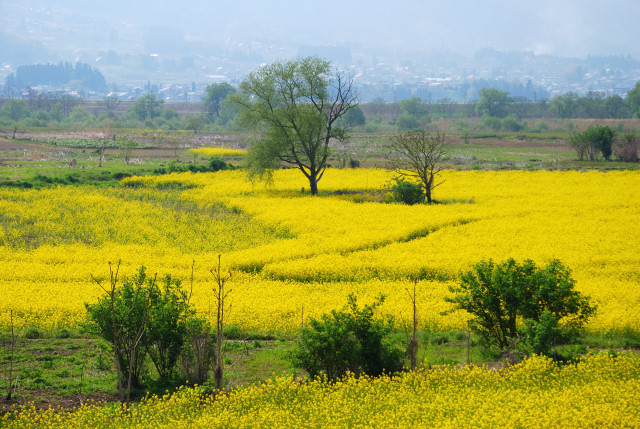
(627, 148)
(32, 333)
(511, 124)
(351, 340)
(543, 300)
(407, 192)
(164, 337)
(125, 316)
(197, 351)
(494, 124)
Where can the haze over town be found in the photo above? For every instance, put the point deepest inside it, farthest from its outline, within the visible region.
(396, 49)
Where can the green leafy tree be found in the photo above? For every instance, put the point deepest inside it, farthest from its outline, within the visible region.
(565, 105)
(413, 113)
(121, 317)
(493, 102)
(354, 117)
(520, 304)
(146, 107)
(633, 100)
(350, 340)
(195, 123)
(14, 109)
(216, 94)
(126, 146)
(295, 106)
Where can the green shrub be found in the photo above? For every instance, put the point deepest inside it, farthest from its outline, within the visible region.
(32, 333)
(542, 301)
(164, 337)
(407, 192)
(62, 333)
(511, 124)
(351, 340)
(129, 315)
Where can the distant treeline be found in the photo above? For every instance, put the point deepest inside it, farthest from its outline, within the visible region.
(81, 75)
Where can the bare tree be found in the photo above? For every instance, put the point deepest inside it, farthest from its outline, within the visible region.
(419, 154)
(412, 344)
(220, 295)
(10, 374)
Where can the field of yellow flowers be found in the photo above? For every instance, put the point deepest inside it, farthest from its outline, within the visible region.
(295, 256)
(600, 391)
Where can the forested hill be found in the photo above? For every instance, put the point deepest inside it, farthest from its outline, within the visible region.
(82, 75)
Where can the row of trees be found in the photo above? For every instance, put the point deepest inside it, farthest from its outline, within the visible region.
(513, 307)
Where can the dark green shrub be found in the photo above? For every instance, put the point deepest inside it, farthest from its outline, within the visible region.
(129, 316)
(165, 331)
(498, 296)
(32, 333)
(511, 124)
(217, 164)
(494, 124)
(351, 340)
(63, 333)
(407, 192)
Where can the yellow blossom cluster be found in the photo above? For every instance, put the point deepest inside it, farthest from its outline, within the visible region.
(218, 151)
(599, 391)
(296, 256)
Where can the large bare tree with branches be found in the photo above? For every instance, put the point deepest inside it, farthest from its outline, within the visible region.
(295, 107)
(419, 154)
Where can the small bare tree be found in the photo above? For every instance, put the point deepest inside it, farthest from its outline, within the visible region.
(220, 294)
(419, 154)
(10, 373)
(412, 346)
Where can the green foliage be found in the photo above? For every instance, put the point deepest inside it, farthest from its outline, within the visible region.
(216, 94)
(14, 109)
(627, 147)
(351, 340)
(146, 107)
(198, 350)
(510, 123)
(164, 337)
(32, 333)
(632, 100)
(493, 102)
(353, 117)
(407, 192)
(126, 146)
(597, 138)
(406, 122)
(492, 123)
(119, 320)
(543, 300)
(296, 107)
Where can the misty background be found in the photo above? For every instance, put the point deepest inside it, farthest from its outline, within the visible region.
(394, 48)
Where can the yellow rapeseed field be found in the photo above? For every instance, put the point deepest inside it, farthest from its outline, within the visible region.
(218, 151)
(296, 256)
(600, 391)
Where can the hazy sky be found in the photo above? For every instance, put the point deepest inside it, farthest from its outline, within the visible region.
(560, 27)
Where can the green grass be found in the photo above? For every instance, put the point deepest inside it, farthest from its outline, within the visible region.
(62, 367)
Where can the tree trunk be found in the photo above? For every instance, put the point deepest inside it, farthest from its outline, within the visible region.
(313, 183)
